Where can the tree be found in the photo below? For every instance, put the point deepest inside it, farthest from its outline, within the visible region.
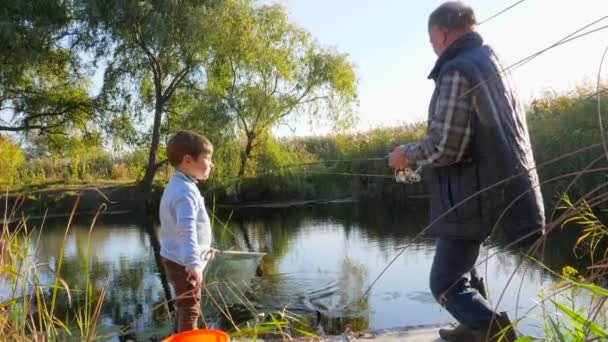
(42, 86)
(203, 113)
(155, 47)
(266, 71)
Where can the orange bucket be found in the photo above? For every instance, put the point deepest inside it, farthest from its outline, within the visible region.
(202, 335)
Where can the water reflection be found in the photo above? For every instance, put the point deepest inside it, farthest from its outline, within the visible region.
(121, 259)
(319, 261)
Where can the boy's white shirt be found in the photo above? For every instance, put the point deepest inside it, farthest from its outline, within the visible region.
(185, 228)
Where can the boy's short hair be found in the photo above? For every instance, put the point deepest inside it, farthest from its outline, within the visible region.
(187, 143)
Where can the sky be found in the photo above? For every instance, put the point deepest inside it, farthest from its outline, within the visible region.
(387, 40)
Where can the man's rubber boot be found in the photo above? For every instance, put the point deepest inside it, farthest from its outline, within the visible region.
(480, 286)
(460, 333)
(493, 334)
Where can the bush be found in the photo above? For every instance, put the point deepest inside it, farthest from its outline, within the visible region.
(120, 172)
(11, 159)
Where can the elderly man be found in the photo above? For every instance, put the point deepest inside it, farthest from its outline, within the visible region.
(476, 137)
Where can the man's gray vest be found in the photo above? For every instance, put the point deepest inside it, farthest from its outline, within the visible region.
(500, 149)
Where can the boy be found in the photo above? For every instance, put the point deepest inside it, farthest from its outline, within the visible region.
(185, 230)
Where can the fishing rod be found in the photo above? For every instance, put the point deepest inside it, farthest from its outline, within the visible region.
(405, 176)
(327, 161)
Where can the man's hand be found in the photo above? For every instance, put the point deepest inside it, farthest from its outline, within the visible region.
(397, 159)
(195, 277)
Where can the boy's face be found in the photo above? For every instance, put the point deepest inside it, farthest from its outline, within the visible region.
(199, 168)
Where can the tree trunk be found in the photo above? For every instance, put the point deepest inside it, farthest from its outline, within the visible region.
(146, 183)
(246, 239)
(245, 155)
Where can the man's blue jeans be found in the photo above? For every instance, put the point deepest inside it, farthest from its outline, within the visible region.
(454, 259)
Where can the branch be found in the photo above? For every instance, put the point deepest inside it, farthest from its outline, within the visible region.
(276, 85)
(156, 68)
(78, 105)
(8, 108)
(231, 102)
(267, 98)
(20, 128)
(233, 74)
(314, 99)
(296, 103)
(28, 127)
(260, 107)
(154, 64)
(159, 164)
(175, 82)
(84, 106)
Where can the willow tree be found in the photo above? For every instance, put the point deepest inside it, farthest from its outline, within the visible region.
(266, 71)
(153, 49)
(43, 87)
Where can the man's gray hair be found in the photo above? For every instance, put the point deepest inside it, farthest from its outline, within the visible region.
(453, 15)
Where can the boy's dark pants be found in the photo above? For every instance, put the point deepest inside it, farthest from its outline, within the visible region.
(187, 304)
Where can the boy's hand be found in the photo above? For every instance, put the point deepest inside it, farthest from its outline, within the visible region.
(195, 277)
(210, 254)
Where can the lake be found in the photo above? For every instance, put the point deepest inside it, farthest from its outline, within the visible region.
(320, 260)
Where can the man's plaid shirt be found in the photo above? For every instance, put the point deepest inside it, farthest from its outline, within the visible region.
(449, 125)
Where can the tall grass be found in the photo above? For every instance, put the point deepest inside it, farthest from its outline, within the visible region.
(575, 307)
(329, 167)
(31, 288)
(37, 304)
(564, 122)
(558, 123)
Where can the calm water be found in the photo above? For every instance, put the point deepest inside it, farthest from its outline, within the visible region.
(319, 259)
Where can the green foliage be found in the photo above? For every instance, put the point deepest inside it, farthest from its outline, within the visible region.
(275, 325)
(168, 66)
(593, 231)
(231, 70)
(575, 308)
(561, 123)
(156, 49)
(566, 318)
(11, 159)
(85, 167)
(302, 168)
(43, 84)
(266, 71)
